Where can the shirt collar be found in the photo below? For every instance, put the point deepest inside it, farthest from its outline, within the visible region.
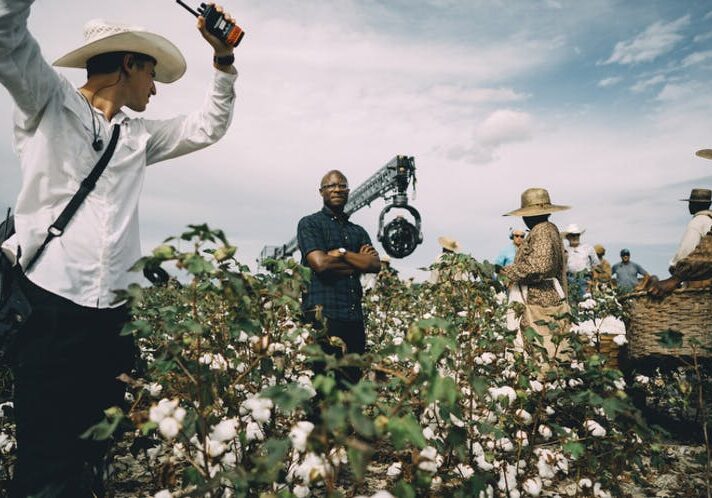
(331, 214)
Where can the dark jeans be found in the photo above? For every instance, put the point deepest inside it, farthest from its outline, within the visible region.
(354, 336)
(65, 367)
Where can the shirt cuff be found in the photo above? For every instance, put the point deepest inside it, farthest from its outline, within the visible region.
(224, 81)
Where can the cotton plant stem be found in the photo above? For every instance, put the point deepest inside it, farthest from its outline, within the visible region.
(703, 410)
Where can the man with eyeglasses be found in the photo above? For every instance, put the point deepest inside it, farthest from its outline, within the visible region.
(337, 251)
(506, 255)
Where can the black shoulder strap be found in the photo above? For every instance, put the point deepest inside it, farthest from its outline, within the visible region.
(56, 229)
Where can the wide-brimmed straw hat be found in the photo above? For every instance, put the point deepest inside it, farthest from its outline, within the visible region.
(101, 37)
(449, 244)
(699, 195)
(704, 153)
(536, 201)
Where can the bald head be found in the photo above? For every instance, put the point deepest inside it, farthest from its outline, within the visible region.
(333, 176)
(334, 190)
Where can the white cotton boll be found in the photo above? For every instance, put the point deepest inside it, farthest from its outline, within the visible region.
(229, 459)
(429, 453)
(254, 432)
(482, 463)
(502, 392)
(594, 428)
(464, 470)
(462, 314)
(532, 486)
(301, 491)
(215, 448)
(456, 421)
(164, 493)
(382, 494)
(299, 435)
(524, 416)
(163, 409)
(428, 466)
(394, 469)
(585, 483)
(600, 493)
(154, 389)
(642, 379)
(397, 341)
(619, 383)
(575, 382)
(179, 414)
(427, 316)
(545, 431)
(505, 444)
(536, 386)
(243, 337)
(428, 433)
(576, 365)
(549, 410)
(169, 427)
(620, 339)
(522, 438)
(226, 430)
(7, 443)
(508, 479)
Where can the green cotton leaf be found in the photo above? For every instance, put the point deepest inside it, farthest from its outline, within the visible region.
(480, 385)
(106, 428)
(148, 427)
(324, 383)
(361, 423)
(335, 417)
(533, 335)
(286, 397)
(439, 345)
(443, 389)
(406, 430)
(574, 449)
(272, 456)
(192, 476)
(364, 392)
(670, 339)
(359, 454)
(197, 265)
(404, 490)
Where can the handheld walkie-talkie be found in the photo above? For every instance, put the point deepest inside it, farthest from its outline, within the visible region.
(216, 23)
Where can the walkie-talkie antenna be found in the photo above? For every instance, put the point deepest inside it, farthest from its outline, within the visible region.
(186, 7)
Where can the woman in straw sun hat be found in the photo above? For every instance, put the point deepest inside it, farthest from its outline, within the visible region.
(537, 277)
(70, 351)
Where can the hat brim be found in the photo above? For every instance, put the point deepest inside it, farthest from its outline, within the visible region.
(537, 210)
(170, 64)
(696, 200)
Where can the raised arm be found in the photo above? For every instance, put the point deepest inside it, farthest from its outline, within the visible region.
(23, 71)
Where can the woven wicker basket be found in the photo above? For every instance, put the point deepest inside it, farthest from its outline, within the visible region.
(688, 311)
(606, 348)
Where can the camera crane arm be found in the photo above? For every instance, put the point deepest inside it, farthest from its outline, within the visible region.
(394, 177)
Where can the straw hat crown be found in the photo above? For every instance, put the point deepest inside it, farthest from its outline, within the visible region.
(535, 202)
(699, 195)
(449, 244)
(573, 228)
(101, 37)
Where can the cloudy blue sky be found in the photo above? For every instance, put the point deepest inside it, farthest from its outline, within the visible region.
(601, 102)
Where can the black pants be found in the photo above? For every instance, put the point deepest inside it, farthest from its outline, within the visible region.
(65, 366)
(354, 336)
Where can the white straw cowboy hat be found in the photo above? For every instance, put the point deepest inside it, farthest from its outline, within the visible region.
(573, 229)
(699, 195)
(101, 37)
(449, 244)
(535, 202)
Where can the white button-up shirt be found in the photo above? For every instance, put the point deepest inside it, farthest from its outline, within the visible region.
(697, 228)
(53, 138)
(580, 258)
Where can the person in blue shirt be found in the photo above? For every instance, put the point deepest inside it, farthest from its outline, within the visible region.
(626, 272)
(506, 255)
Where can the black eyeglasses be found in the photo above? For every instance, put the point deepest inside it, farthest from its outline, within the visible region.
(518, 236)
(334, 186)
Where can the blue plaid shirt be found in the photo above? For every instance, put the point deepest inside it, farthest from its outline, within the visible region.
(340, 295)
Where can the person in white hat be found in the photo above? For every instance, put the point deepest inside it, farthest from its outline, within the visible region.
(537, 277)
(448, 245)
(70, 351)
(581, 259)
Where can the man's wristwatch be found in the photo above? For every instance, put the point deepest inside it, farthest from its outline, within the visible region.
(342, 250)
(224, 60)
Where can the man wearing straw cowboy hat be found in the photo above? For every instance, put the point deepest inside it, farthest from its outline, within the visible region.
(581, 259)
(701, 222)
(449, 246)
(538, 275)
(69, 351)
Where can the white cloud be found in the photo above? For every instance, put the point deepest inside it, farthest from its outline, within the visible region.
(644, 84)
(708, 15)
(659, 38)
(606, 82)
(696, 58)
(702, 37)
(676, 91)
(460, 95)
